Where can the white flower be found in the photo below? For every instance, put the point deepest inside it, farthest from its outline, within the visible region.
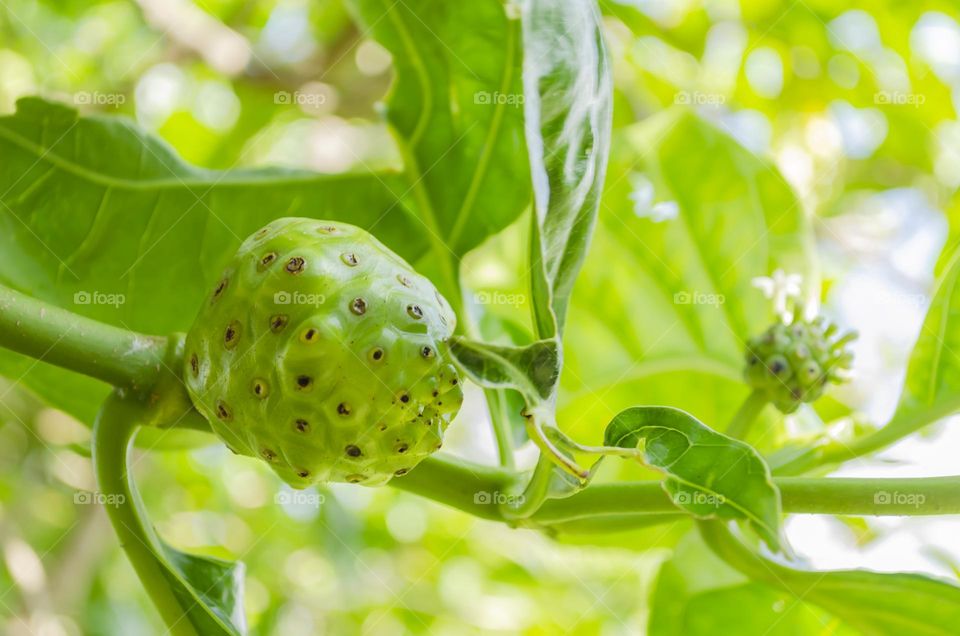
(642, 195)
(780, 287)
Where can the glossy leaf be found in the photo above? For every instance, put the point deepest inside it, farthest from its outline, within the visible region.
(708, 474)
(875, 603)
(568, 108)
(456, 108)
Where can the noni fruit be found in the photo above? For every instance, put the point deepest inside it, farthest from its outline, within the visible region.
(792, 364)
(322, 352)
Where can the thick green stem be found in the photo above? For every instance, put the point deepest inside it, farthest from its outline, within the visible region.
(461, 485)
(60, 337)
(746, 415)
(113, 435)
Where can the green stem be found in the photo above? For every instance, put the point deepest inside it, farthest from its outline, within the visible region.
(60, 337)
(457, 483)
(113, 435)
(716, 535)
(746, 415)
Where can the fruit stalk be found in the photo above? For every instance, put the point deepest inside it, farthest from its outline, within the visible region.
(742, 421)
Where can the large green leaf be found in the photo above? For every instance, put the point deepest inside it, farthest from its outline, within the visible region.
(688, 219)
(456, 109)
(567, 88)
(695, 593)
(104, 219)
(875, 603)
(567, 109)
(708, 474)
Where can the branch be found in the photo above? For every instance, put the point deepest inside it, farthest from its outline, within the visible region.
(473, 489)
(60, 337)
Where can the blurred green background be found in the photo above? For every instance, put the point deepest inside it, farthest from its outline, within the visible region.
(854, 103)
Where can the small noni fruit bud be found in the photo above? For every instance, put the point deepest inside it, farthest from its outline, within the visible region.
(793, 363)
(324, 353)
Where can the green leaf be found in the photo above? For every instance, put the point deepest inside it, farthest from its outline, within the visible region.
(695, 592)
(933, 373)
(708, 474)
(455, 107)
(195, 595)
(669, 294)
(735, 218)
(531, 370)
(95, 208)
(568, 108)
(875, 603)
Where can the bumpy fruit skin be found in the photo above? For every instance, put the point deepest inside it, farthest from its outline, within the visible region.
(793, 364)
(324, 353)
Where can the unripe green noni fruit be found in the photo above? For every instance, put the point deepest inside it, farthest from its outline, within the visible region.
(792, 364)
(324, 353)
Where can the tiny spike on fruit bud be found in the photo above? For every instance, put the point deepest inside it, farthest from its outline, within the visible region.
(354, 385)
(793, 364)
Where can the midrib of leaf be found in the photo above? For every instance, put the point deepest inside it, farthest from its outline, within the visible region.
(440, 249)
(488, 143)
(237, 178)
(422, 73)
(407, 150)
